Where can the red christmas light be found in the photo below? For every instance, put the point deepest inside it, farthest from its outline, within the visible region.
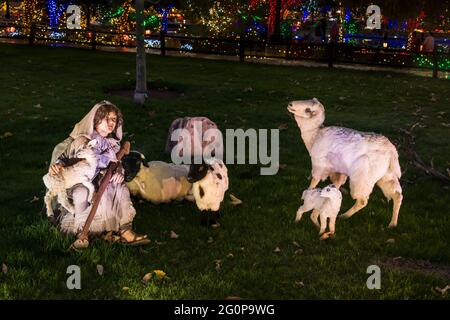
(285, 5)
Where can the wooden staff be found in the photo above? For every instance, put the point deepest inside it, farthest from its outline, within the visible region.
(82, 241)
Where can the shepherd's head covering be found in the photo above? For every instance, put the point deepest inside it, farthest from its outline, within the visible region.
(86, 126)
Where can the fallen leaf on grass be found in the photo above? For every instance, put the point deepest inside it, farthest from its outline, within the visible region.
(248, 89)
(282, 165)
(125, 289)
(217, 262)
(7, 134)
(37, 106)
(390, 240)
(283, 126)
(147, 277)
(298, 251)
(160, 274)
(100, 269)
(235, 201)
(233, 298)
(277, 250)
(433, 97)
(299, 284)
(210, 240)
(173, 235)
(230, 256)
(4, 268)
(152, 114)
(295, 243)
(34, 199)
(443, 291)
(215, 225)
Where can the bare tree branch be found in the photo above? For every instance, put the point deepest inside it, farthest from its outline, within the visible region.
(417, 161)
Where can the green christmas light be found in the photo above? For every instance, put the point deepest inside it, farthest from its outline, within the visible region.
(152, 22)
(423, 61)
(118, 13)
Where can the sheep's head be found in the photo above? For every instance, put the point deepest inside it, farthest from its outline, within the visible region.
(306, 109)
(197, 172)
(132, 163)
(331, 192)
(86, 151)
(209, 191)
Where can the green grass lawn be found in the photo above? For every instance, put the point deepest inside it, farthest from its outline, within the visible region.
(45, 91)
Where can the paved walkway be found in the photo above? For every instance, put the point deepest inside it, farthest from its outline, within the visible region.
(271, 61)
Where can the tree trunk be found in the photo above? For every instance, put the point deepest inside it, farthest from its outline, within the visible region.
(8, 14)
(276, 36)
(88, 16)
(140, 94)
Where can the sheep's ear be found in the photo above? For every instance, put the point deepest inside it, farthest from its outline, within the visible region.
(143, 160)
(315, 100)
(197, 172)
(92, 143)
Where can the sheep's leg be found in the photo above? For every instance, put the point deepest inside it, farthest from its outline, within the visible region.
(360, 185)
(48, 203)
(91, 190)
(62, 198)
(315, 217)
(314, 183)
(300, 213)
(323, 224)
(392, 190)
(332, 225)
(189, 196)
(338, 179)
(359, 204)
(398, 198)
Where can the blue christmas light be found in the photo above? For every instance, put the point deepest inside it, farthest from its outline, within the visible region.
(187, 47)
(348, 14)
(151, 43)
(54, 12)
(164, 11)
(305, 15)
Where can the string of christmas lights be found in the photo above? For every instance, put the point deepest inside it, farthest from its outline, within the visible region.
(55, 11)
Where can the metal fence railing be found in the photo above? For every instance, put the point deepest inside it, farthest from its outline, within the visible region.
(438, 60)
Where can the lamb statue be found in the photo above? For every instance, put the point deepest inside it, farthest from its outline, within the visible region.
(325, 204)
(337, 152)
(81, 172)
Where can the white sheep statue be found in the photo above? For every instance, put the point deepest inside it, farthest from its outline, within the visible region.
(325, 204)
(337, 152)
(161, 182)
(82, 172)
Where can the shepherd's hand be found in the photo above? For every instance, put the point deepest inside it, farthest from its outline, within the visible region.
(117, 178)
(55, 168)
